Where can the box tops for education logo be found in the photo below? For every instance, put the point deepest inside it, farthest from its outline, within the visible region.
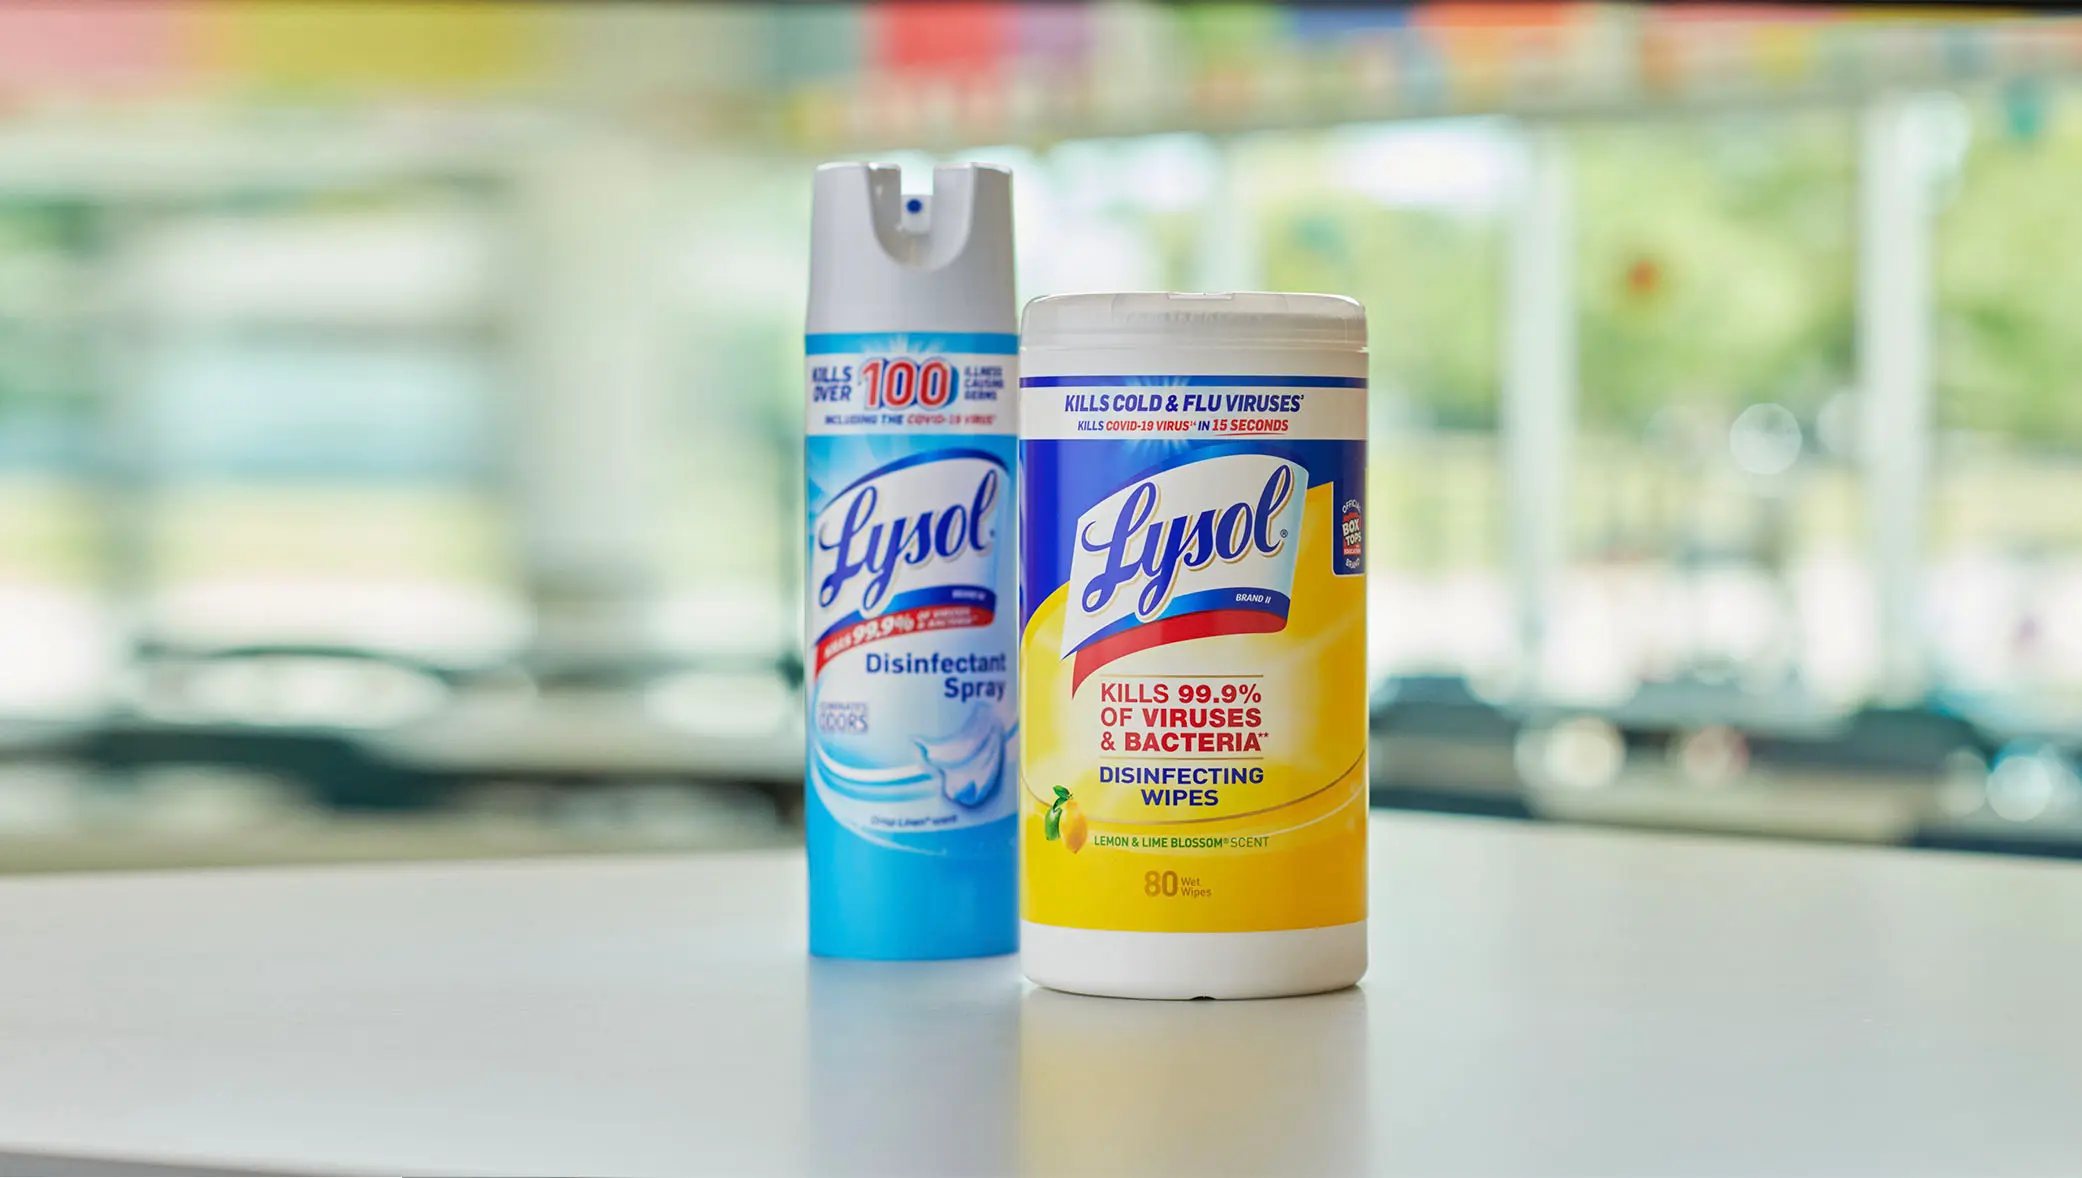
(1351, 534)
(1202, 548)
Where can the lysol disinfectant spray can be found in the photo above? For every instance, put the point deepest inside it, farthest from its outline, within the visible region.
(1193, 478)
(912, 357)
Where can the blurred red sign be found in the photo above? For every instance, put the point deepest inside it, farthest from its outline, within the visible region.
(939, 38)
(72, 46)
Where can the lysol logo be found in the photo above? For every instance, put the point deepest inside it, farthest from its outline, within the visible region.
(1201, 549)
(908, 548)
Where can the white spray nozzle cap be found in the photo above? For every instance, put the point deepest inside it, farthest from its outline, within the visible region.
(882, 261)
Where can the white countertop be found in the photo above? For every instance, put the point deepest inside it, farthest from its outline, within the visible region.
(1543, 1001)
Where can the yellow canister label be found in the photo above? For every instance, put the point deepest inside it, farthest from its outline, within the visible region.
(1193, 652)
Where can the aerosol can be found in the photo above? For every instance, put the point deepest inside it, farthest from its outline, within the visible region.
(911, 612)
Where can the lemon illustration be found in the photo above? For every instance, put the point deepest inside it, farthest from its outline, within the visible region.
(1074, 826)
(1065, 821)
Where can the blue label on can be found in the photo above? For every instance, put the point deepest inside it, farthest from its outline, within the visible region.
(910, 633)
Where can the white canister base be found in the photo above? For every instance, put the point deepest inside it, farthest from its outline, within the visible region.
(1193, 965)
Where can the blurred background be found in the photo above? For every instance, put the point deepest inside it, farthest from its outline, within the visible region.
(400, 403)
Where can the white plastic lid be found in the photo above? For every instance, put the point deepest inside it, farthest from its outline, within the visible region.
(884, 261)
(1247, 319)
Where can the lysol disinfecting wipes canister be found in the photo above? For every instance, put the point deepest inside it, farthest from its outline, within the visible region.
(1193, 647)
(913, 378)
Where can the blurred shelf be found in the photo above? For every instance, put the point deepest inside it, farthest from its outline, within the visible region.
(205, 154)
(1818, 809)
(2058, 837)
(364, 838)
(590, 734)
(505, 764)
(1157, 72)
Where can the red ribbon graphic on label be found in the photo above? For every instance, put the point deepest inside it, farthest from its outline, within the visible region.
(1206, 624)
(899, 624)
